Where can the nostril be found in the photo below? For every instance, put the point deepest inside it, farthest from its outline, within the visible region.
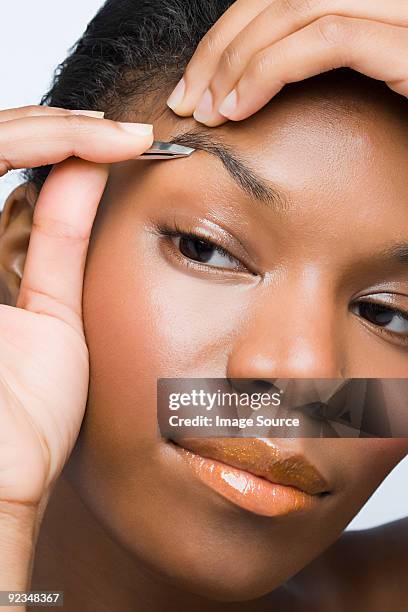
(262, 385)
(253, 385)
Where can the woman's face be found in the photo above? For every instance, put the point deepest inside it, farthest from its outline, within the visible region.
(307, 238)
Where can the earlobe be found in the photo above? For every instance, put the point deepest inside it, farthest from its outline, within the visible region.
(15, 227)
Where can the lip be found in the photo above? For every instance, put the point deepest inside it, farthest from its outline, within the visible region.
(254, 474)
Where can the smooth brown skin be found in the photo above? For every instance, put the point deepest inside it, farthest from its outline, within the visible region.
(147, 314)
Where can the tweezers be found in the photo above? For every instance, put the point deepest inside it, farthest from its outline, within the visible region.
(166, 150)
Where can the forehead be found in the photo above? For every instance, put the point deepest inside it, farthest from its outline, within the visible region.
(317, 139)
(321, 127)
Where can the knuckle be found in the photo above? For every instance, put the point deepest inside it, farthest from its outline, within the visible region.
(211, 44)
(231, 58)
(333, 29)
(57, 229)
(262, 64)
(30, 110)
(300, 7)
(77, 123)
(39, 300)
(5, 165)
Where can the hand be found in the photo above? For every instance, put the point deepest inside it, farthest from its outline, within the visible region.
(43, 354)
(260, 45)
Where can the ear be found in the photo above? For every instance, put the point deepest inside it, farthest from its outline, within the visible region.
(15, 228)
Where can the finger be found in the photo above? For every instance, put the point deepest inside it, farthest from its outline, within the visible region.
(201, 67)
(40, 111)
(375, 49)
(38, 141)
(278, 20)
(62, 222)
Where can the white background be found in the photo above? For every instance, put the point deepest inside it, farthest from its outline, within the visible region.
(34, 38)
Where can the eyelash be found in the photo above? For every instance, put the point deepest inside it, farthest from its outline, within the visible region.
(400, 338)
(176, 231)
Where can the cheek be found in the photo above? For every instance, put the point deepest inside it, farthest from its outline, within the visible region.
(158, 317)
(146, 318)
(364, 462)
(385, 451)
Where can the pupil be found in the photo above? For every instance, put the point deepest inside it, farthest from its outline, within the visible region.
(196, 249)
(377, 314)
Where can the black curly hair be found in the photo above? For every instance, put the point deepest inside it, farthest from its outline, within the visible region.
(134, 48)
(130, 49)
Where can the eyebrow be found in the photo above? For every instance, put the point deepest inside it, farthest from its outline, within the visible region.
(238, 168)
(397, 252)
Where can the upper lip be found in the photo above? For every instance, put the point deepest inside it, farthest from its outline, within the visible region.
(262, 458)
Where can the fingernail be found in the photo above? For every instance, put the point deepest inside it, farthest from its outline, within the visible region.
(229, 106)
(204, 109)
(141, 129)
(177, 95)
(89, 113)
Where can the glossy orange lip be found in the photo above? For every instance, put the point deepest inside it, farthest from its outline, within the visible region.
(254, 474)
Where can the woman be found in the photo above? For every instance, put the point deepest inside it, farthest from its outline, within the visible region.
(284, 256)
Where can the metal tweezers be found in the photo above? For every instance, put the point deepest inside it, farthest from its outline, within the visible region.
(166, 150)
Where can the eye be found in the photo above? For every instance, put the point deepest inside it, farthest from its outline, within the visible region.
(391, 319)
(205, 252)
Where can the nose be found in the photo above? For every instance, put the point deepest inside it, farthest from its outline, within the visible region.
(293, 332)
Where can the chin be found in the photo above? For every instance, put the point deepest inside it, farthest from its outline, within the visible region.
(231, 583)
(222, 573)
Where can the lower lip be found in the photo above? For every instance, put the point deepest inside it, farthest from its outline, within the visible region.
(245, 490)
